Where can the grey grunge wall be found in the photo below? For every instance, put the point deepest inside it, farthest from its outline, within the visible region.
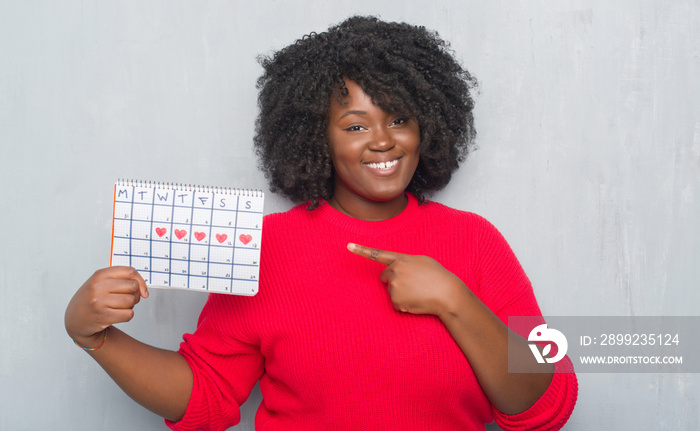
(588, 119)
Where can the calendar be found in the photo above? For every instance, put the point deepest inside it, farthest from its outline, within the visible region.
(189, 237)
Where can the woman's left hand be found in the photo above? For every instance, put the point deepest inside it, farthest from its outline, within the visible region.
(420, 285)
(416, 284)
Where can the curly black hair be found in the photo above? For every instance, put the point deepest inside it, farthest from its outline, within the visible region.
(404, 69)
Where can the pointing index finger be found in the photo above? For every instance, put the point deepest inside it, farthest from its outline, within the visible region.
(381, 256)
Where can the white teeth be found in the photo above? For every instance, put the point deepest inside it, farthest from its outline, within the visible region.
(383, 165)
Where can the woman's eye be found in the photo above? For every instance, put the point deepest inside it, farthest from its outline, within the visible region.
(354, 128)
(399, 121)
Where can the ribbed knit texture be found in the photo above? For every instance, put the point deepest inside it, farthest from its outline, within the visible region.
(330, 351)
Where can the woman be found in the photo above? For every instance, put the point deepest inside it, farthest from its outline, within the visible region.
(377, 309)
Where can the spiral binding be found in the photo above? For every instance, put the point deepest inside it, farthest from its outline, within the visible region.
(190, 187)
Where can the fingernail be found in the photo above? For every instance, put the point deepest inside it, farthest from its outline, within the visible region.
(351, 246)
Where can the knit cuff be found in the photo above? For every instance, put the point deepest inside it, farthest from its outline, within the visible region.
(196, 415)
(553, 408)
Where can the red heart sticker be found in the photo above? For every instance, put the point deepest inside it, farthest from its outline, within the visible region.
(199, 235)
(221, 237)
(245, 239)
(180, 233)
(161, 231)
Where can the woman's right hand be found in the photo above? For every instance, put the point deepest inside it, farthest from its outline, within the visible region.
(159, 379)
(106, 298)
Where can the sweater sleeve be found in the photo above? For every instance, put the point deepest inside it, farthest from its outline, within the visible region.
(506, 290)
(225, 369)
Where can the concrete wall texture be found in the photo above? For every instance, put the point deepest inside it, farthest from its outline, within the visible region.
(588, 116)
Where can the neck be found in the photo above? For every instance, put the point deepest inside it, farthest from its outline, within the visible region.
(368, 210)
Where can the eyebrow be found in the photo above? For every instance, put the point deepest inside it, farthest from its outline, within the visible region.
(352, 113)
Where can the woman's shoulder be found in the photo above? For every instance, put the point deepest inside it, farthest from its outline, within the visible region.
(294, 214)
(297, 218)
(448, 214)
(468, 225)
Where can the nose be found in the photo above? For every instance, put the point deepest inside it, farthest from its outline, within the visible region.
(381, 140)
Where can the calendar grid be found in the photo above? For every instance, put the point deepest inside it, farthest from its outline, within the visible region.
(131, 224)
(233, 252)
(211, 217)
(170, 244)
(189, 244)
(189, 237)
(150, 243)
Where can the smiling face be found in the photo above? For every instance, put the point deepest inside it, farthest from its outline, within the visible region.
(374, 155)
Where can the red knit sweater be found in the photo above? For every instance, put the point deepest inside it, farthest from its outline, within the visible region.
(327, 346)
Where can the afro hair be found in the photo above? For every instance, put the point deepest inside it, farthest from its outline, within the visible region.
(404, 69)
